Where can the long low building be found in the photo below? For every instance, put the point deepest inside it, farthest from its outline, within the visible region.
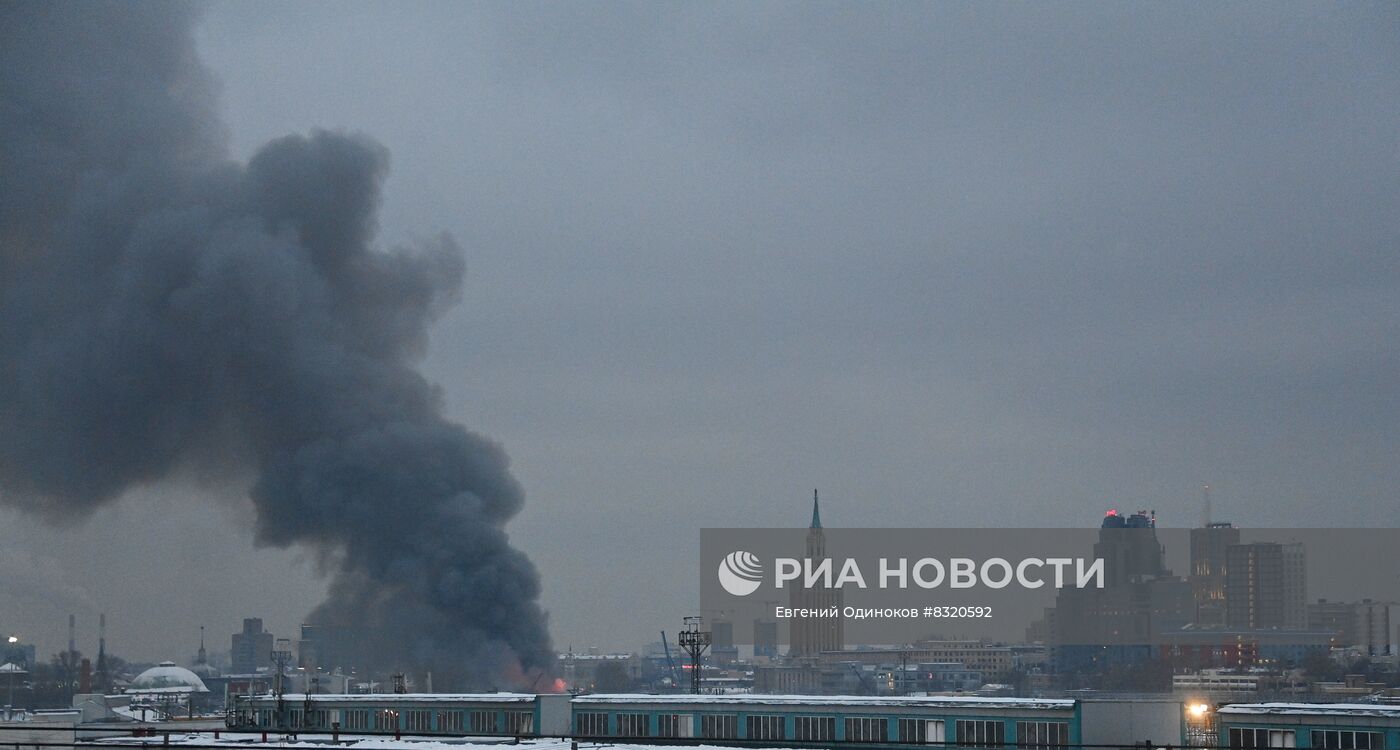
(1324, 726)
(484, 714)
(762, 720)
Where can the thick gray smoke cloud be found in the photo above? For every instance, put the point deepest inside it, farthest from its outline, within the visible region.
(164, 308)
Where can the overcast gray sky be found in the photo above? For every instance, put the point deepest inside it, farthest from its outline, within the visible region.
(954, 264)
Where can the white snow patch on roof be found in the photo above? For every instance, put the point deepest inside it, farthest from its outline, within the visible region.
(413, 697)
(943, 701)
(362, 742)
(1312, 709)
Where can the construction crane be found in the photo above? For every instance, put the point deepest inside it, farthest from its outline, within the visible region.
(675, 677)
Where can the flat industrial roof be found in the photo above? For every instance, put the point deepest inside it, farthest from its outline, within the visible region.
(1312, 709)
(365, 742)
(411, 697)
(918, 701)
(924, 701)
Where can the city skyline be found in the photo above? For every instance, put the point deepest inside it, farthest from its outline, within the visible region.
(949, 266)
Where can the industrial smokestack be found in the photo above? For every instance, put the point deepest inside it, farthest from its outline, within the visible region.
(170, 308)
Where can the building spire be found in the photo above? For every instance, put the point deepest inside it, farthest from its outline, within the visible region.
(816, 512)
(103, 679)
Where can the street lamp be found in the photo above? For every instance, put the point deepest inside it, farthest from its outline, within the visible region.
(10, 706)
(1200, 722)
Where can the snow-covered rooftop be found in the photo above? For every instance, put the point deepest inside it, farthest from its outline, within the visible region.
(1312, 709)
(362, 742)
(414, 697)
(939, 701)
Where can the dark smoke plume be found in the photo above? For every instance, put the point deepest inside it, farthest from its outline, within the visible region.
(164, 308)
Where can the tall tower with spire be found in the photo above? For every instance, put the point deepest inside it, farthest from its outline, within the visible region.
(813, 635)
(104, 680)
(816, 538)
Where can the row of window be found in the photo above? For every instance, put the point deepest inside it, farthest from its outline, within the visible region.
(1038, 735)
(414, 720)
(1042, 734)
(1263, 738)
(1345, 739)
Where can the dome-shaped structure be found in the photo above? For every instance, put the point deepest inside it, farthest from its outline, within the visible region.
(168, 678)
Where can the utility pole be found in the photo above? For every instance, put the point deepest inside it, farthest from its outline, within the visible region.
(694, 641)
(281, 657)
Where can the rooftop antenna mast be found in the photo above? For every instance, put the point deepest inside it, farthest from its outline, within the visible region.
(1205, 505)
(694, 641)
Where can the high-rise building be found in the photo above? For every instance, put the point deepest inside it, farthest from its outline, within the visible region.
(721, 634)
(1254, 585)
(1266, 585)
(1120, 624)
(1129, 548)
(1295, 586)
(1208, 546)
(722, 648)
(812, 635)
(251, 648)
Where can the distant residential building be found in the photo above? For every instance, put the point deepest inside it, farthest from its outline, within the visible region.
(252, 648)
(1215, 681)
(1378, 628)
(906, 679)
(1371, 627)
(1254, 585)
(989, 660)
(1338, 618)
(765, 638)
(805, 679)
(1295, 586)
(1235, 648)
(583, 670)
(1266, 586)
